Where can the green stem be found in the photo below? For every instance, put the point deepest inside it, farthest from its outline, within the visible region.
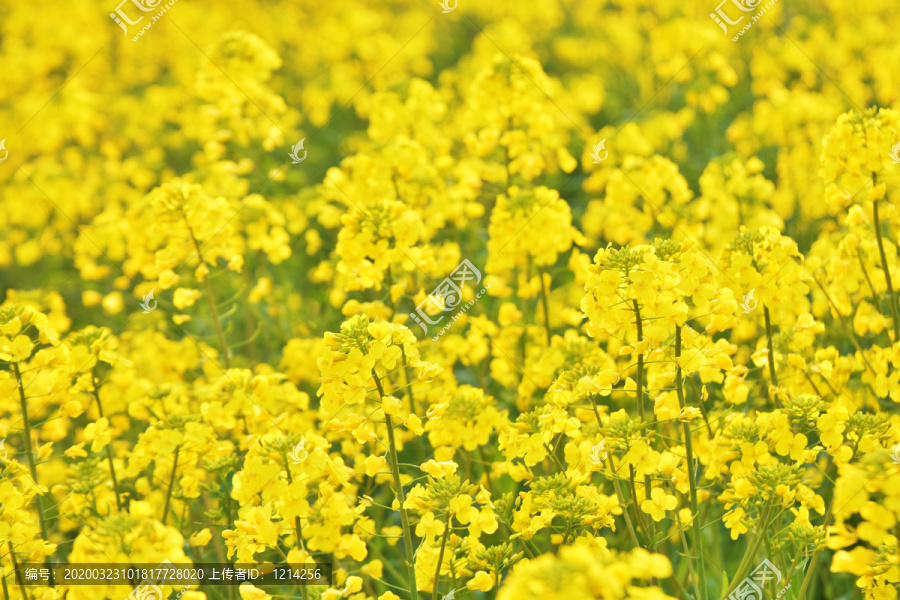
(684, 545)
(109, 456)
(865, 273)
(702, 406)
(807, 579)
(772, 373)
(637, 510)
(32, 467)
(892, 299)
(165, 512)
(689, 447)
(15, 564)
(751, 551)
(640, 362)
(615, 479)
(398, 489)
(847, 329)
(6, 595)
(437, 571)
(545, 304)
(485, 471)
(226, 357)
(298, 527)
(648, 486)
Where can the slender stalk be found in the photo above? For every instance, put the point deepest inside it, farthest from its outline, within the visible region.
(750, 552)
(109, 456)
(640, 381)
(545, 303)
(226, 356)
(773, 375)
(621, 498)
(407, 374)
(640, 361)
(165, 512)
(648, 485)
(897, 535)
(811, 568)
(689, 447)
(485, 471)
(847, 329)
(865, 273)
(32, 467)
(6, 595)
(15, 564)
(437, 571)
(684, 545)
(892, 298)
(219, 546)
(398, 489)
(702, 406)
(298, 528)
(615, 479)
(634, 497)
(523, 308)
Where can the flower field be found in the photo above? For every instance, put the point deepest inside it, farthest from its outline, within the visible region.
(441, 299)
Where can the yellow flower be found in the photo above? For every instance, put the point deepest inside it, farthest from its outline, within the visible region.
(439, 470)
(98, 434)
(391, 405)
(481, 581)
(185, 297)
(202, 537)
(688, 414)
(72, 408)
(251, 592)
(659, 503)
